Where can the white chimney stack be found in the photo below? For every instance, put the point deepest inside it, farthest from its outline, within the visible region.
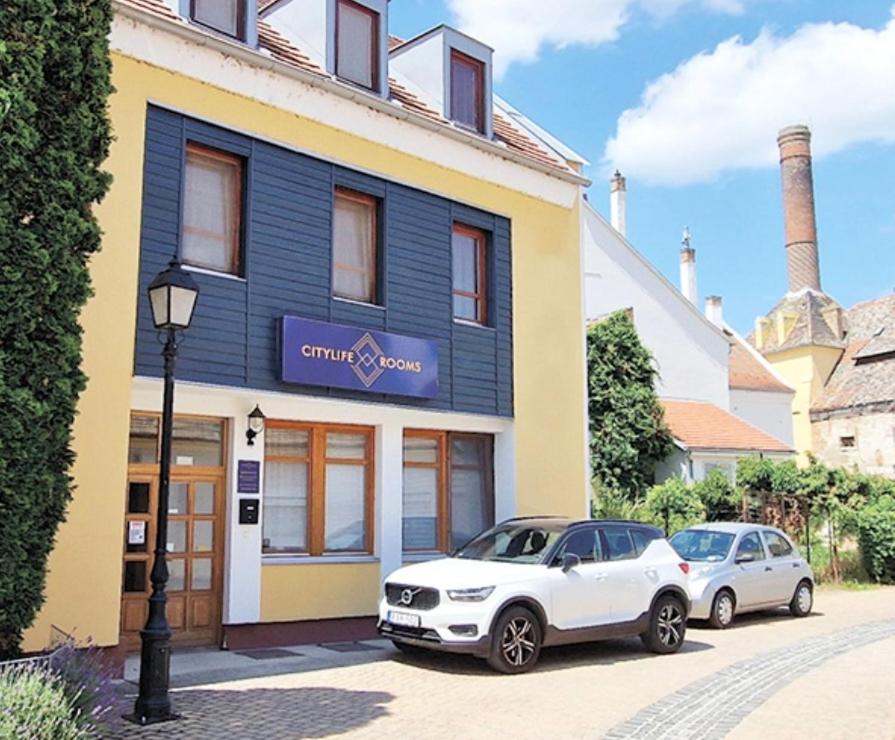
(618, 205)
(688, 268)
(714, 311)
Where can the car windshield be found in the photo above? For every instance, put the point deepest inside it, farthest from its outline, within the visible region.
(513, 542)
(701, 545)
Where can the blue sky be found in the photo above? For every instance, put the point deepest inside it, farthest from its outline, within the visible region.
(699, 149)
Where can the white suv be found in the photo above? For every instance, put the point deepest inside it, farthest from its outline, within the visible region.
(536, 582)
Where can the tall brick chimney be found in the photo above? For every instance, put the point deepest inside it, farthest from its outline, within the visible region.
(798, 208)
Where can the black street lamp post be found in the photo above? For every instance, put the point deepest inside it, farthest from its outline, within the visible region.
(172, 296)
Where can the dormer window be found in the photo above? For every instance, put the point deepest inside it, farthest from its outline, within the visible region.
(450, 72)
(467, 91)
(357, 44)
(225, 16)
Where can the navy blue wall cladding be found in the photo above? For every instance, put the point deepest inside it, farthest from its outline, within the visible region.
(287, 270)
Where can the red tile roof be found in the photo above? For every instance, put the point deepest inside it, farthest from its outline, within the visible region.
(283, 50)
(746, 372)
(703, 426)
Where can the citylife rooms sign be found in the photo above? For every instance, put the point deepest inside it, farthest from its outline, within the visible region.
(317, 353)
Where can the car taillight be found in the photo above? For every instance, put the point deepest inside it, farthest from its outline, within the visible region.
(685, 567)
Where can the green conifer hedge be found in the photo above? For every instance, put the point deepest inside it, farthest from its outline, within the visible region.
(54, 136)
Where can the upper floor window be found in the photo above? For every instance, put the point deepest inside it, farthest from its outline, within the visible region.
(226, 16)
(212, 210)
(357, 44)
(354, 245)
(467, 91)
(468, 255)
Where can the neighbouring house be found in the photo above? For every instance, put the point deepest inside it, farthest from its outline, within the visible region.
(389, 266)
(722, 400)
(840, 362)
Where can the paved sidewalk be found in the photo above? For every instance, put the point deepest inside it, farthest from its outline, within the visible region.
(576, 692)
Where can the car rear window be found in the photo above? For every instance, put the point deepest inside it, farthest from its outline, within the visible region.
(618, 544)
(641, 540)
(777, 545)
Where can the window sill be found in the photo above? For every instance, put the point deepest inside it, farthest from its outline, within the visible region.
(362, 304)
(474, 324)
(217, 31)
(213, 273)
(271, 559)
(467, 128)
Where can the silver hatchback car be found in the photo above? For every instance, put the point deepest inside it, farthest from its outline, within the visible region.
(736, 568)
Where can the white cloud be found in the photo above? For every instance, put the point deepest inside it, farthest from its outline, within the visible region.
(721, 110)
(519, 29)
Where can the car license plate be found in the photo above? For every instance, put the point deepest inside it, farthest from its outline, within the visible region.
(404, 620)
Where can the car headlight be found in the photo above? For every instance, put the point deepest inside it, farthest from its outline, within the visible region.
(470, 594)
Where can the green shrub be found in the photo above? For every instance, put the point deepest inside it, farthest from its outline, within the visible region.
(628, 434)
(611, 504)
(718, 496)
(876, 536)
(34, 704)
(672, 506)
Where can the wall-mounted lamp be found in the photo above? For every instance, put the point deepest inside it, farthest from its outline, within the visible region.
(256, 425)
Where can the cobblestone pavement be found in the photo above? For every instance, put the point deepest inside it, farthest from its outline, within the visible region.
(710, 708)
(581, 691)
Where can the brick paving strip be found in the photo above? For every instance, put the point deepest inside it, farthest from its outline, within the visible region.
(711, 707)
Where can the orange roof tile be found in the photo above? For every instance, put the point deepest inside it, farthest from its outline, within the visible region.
(282, 50)
(157, 7)
(285, 51)
(703, 426)
(746, 372)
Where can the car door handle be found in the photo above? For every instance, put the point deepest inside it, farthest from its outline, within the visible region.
(599, 576)
(795, 565)
(767, 568)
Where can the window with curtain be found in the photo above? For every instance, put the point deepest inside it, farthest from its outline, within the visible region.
(448, 494)
(467, 91)
(226, 16)
(422, 491)
(468, 268)
(357, 44)
(212, 205)
(317, 489)
(346, 491)
(286, 473)
(354, 245)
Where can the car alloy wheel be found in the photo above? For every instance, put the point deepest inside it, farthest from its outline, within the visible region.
(670, 625)
(517, 643)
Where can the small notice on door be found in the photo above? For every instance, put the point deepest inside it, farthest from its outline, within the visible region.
(136, 533)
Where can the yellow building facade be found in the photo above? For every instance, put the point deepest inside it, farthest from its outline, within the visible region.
(167, 65)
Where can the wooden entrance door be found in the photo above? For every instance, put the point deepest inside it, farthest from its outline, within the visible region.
(195, 561)
(195, 547)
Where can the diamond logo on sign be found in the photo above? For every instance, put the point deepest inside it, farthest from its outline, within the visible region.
(338, 356)
(366, 360)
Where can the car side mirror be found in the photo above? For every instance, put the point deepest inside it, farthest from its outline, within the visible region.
(746, 557)
(569, 561)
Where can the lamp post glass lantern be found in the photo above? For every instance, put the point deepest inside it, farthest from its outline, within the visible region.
(172, 297)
